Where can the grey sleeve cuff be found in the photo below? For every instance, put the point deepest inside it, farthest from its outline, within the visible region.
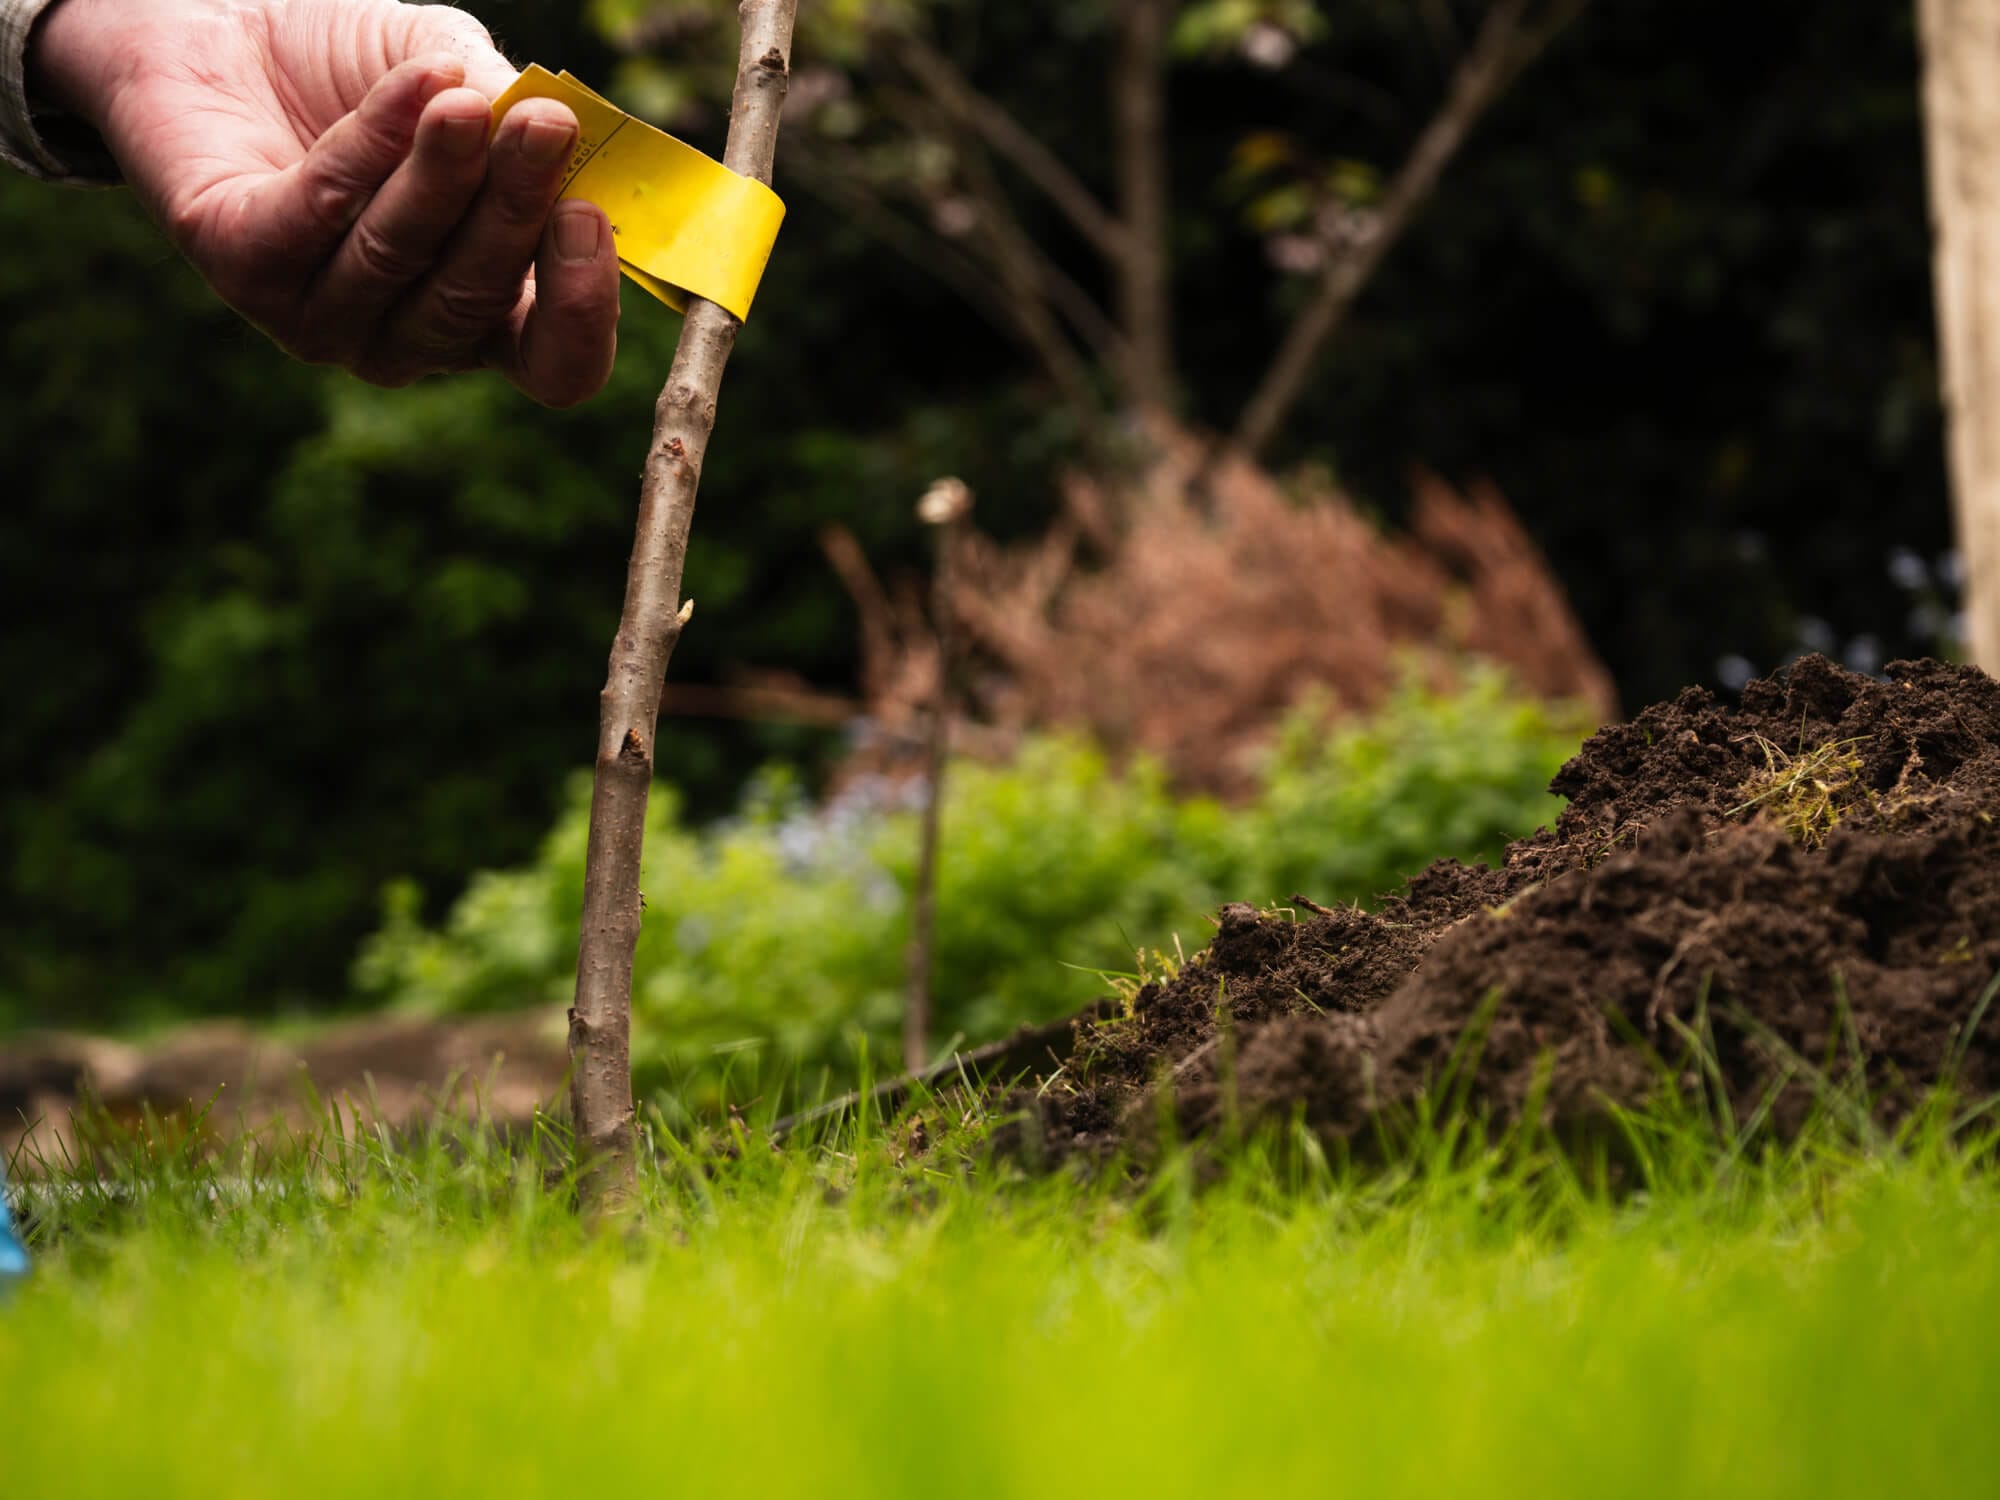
(50, 146)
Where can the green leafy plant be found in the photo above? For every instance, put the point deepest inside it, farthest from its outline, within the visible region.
(772, 953)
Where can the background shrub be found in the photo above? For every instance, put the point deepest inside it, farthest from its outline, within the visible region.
(773, 954)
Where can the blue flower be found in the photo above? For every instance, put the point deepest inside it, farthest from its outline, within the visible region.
(13, 1259)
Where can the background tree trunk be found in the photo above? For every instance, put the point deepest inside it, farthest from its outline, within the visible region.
(1139, 119)
(600, 1023)
(1961, 46)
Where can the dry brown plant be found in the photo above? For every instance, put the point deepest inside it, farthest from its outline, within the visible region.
(1189, 630)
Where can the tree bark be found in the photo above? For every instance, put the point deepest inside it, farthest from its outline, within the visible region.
(650, 624)
(1961, 47)
(1139, 119)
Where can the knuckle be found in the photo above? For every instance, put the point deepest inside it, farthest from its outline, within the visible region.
(380, 141)
(332, 199)
(466, 309)
(586, 320)
(520, 204)
(381, 257)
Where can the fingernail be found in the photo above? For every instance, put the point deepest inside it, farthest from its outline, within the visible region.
(462, 135)
(577, 234)
(545, 142)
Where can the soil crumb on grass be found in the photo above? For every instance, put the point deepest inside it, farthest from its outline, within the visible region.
(1807, 879)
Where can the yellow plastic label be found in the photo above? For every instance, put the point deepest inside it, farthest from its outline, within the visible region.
(684, 222)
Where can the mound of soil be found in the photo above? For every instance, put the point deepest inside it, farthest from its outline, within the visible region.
(1810, 882)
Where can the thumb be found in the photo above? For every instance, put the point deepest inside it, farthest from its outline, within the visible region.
(417, 30)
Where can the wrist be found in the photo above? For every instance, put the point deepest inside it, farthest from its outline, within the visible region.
(76, 52)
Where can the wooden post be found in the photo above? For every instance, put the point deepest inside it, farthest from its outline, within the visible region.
(600, 1022)
(1961, 47)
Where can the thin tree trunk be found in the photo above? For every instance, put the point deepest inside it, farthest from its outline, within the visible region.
(1961, 43)
(1139, 118)
(600, 1023)
(946, 505)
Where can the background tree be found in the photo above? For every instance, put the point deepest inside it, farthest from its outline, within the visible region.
(269, 638)
(1962, 118)
(1058, 229)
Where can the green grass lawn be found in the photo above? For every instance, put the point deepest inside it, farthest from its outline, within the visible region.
(825, 1322)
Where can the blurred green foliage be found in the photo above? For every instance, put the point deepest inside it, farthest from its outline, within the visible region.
(268, 639)
(774, 952)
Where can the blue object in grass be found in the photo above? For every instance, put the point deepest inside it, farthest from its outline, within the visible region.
(13, 1259)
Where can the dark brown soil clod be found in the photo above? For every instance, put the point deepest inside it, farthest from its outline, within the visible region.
(1807, 879)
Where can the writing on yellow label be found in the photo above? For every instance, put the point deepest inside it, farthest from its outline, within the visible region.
(684, 223)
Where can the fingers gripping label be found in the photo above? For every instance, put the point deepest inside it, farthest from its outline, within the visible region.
(683, 222)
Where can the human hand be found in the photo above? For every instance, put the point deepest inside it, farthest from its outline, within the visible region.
(325, 165)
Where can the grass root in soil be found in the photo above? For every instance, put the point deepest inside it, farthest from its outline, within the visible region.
(1768, 901)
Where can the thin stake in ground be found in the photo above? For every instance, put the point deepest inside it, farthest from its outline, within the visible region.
(600, 1024)
(946, 506)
